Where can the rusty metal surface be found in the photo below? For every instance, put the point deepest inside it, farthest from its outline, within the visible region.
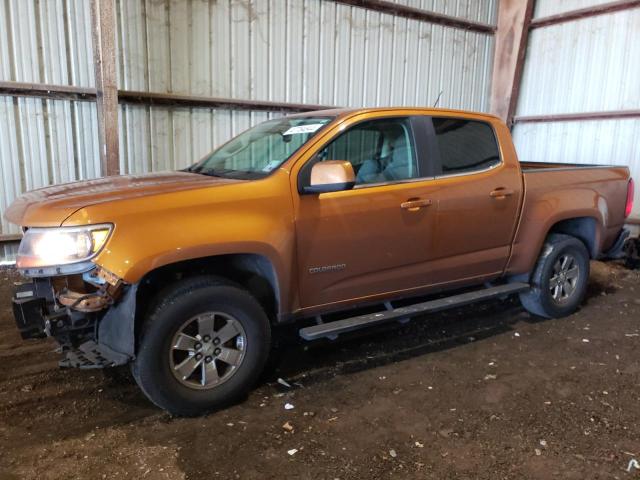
(84, 302)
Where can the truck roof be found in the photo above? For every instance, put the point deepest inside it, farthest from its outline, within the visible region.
(348, 112)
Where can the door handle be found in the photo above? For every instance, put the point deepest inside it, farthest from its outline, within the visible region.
(414, 205)
(500, 193)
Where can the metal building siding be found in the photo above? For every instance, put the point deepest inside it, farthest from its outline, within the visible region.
(484, 11)
(588, 65)
(8, 253)
(545, 8)
(303, 51)
(44, 141)
(46, 42)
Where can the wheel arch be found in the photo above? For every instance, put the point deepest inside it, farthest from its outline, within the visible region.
(584, 229)
(586, 226)
(251, 271)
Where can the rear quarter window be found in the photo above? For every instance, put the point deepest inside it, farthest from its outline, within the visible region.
(465, 146)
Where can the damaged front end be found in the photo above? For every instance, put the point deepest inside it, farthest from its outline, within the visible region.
(90, 315)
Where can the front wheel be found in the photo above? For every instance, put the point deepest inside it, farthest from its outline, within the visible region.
(559, 281)
(202, 347)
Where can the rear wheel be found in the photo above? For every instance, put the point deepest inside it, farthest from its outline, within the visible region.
(202, 347)
(559, 281)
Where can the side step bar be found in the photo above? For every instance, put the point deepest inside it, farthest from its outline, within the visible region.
(332, 329)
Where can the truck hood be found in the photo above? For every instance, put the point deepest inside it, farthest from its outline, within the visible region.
(50, 206)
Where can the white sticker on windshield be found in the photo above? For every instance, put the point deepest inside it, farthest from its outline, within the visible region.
(312, 127)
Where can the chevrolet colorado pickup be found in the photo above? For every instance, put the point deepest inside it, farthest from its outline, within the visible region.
(337, 220)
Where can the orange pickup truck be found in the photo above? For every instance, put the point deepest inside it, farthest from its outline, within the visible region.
(311, 219)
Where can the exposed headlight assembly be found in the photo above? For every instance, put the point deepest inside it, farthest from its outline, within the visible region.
(61, 250)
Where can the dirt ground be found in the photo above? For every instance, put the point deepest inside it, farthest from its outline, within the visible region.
(485, 392)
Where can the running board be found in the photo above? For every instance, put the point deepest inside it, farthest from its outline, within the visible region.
(332, 329)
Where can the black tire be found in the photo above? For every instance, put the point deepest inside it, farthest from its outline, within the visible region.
(539, 300)
(186, 299)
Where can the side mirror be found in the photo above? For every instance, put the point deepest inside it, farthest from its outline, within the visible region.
(331, 176)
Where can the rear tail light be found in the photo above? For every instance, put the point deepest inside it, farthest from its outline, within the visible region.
(629, 206)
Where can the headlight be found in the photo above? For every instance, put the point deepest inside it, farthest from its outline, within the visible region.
(55, 247)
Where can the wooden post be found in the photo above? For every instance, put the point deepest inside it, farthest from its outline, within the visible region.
(514, 19)
(104, 60)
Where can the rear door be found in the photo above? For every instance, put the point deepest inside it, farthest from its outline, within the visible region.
(478, 198)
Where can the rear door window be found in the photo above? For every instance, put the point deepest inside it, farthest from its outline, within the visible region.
(465, 146)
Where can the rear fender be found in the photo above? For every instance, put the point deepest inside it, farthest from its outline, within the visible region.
(556, 211)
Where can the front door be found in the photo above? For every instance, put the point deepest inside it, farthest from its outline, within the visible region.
(378, 237)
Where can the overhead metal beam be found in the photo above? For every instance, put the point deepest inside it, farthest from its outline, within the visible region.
(67, 92)
(514, 17)
(585, 13)
(179, 100)
(56, 92)
(398, 10)
(103, 22)
(576, 117)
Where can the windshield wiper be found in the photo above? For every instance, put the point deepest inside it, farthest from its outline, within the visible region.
(226, 173)
(192, 169)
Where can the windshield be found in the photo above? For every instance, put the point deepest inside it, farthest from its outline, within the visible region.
(261, 149)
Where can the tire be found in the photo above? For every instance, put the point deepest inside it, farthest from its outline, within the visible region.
(554, 291)
(167, 352)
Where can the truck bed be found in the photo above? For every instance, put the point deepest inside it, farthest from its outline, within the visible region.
(554, 192)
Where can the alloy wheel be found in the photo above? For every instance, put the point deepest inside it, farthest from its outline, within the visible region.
(564, 279)
(207, 350)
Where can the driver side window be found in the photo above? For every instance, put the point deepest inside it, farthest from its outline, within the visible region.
(380, 151)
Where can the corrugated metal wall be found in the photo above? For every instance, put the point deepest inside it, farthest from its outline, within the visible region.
(588, 65)
(43, 142)
(304, 51)
(545, 8)
(483, 11)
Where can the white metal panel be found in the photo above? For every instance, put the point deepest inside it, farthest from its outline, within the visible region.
(483, 11)
(8, 253)
(304, 51)
(545, 8)
(583, 66)
(615, 142)
(44, 142)
(46, 42)
(10, 165)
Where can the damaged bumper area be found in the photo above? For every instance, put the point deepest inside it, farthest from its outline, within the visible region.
(90, 315)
